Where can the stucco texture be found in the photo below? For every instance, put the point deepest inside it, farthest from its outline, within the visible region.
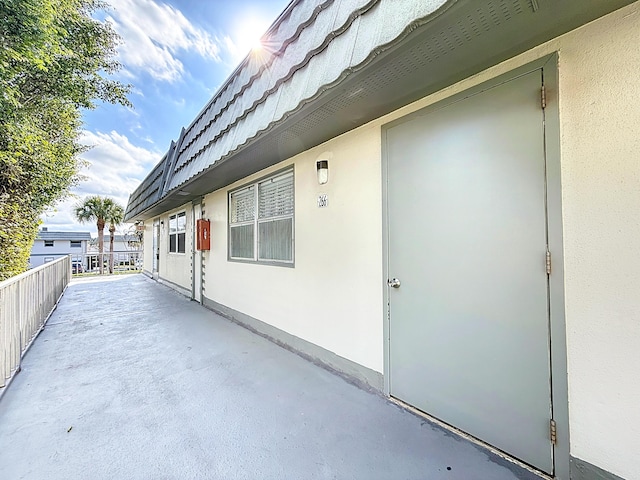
(600, 121)
(334, 295)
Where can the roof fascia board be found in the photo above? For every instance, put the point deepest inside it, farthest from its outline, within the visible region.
(418, 31)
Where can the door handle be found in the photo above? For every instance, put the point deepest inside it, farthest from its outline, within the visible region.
(394, 283)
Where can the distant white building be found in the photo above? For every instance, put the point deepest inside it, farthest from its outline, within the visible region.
(121, 243)
(52, 245)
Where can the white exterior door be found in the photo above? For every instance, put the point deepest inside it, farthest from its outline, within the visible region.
(468, 290)
(156, 247)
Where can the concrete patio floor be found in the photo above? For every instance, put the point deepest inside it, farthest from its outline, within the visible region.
(131, 380)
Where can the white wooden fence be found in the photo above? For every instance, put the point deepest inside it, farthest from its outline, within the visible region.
(126, 261)
(26, 301)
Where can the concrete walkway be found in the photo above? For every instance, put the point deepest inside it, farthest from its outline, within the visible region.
(130, 380)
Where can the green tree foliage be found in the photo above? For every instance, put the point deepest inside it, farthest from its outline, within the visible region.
(54, 61)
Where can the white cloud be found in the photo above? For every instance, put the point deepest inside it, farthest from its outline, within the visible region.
(230, 45)
(154, 33)
(115, 169)
(179, 102)
(116, 166)
(60, 218)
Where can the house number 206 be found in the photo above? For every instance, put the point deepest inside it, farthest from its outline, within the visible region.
(323, 200)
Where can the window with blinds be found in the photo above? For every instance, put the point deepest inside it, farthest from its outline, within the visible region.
(261, 220)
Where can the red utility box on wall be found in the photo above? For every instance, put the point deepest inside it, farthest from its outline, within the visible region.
(203, 238)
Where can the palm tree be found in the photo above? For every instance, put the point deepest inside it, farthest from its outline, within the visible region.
(114, 217)
(98, 209)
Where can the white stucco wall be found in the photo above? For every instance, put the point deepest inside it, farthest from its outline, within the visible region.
(333, 296)
(600, 115)
(60, 248)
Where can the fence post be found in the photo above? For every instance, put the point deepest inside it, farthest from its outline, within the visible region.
(26, 301)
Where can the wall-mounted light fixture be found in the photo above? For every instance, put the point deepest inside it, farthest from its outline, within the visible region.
(323, 171)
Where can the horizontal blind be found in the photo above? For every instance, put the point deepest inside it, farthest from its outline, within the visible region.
(276, 240)
(241, 241)
(242, 205)
(275, 196)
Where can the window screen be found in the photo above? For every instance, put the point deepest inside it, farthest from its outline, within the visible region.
(261, 220)
(242, 208)
(275, 223)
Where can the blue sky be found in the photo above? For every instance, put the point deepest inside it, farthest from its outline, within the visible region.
(175, 54)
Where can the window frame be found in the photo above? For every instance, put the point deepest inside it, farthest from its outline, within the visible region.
(75, 243)
(49, 243)
(176, 215)
(257, 221)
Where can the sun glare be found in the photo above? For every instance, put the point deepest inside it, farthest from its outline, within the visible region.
(256, 45)
(247, 38)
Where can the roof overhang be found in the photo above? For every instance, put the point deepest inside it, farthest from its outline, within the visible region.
(454, 44)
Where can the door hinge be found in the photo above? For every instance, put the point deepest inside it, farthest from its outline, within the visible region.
(553, 432)
(543, 97)
(548, 262)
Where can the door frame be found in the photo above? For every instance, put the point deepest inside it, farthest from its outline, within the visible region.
(557, 327)
(155, 246)
(196, 255)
